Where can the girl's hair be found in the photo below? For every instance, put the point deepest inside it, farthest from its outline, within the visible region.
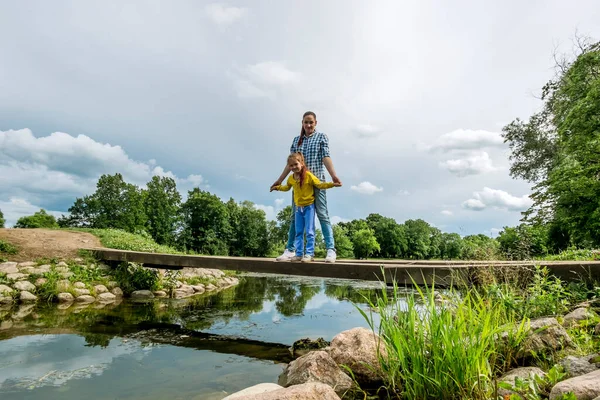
(299, 157)
(302, 133)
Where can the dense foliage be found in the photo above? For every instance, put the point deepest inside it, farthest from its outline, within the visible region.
(40, 219)
(2, 220)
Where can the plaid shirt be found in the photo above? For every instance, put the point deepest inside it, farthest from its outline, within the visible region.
(314, 148)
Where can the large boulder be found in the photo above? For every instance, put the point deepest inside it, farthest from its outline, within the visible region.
(305, 391)
(359, 349)
(142, 295)
(24, 286)
(522, 373)
(9, 268)
(584, 387)
(256, 389)
(576, 366)
(316, 366)
(576, 316)
(546, 335)
(5, 290)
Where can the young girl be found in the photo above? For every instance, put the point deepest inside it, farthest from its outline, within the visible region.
(303, 182)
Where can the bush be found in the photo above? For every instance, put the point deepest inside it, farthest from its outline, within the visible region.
(132, 277)
(40, 219)
(7, 248)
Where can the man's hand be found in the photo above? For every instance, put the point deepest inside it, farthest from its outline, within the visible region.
(335, 179)
(337, 184)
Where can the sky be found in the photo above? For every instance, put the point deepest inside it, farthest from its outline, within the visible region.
(413, 96)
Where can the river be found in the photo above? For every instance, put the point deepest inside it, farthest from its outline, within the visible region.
(200, 348)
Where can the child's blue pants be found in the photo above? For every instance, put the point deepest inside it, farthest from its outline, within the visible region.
(305, 221)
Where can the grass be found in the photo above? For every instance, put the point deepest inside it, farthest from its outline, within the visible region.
(121, 240)
(7, 248)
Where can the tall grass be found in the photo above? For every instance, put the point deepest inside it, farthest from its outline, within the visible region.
(121, 240)
(449, 350)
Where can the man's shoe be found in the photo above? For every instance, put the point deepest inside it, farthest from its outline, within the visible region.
(330, 256)
(307, 258)
(297, 258)
(286, 256)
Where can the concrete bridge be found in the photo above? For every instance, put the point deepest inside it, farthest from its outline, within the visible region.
(404, 272)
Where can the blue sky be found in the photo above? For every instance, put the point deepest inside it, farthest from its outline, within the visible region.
(413, 96)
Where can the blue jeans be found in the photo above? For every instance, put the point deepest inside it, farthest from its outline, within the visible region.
(305, 221)
(322, 214)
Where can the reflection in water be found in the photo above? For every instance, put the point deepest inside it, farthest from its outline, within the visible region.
(203, 347)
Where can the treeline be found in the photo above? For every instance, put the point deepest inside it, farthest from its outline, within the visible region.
(204, 224)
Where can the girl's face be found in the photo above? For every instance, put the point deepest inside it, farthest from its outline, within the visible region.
(309, 123)
(295, 165)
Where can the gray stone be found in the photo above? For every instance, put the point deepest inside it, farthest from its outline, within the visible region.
(66, 275)
(26, 296)
(106, 297)
(112, 284)
(316, 366)
(597, 329)
(65, 297)
(252, 390)
(24, 286)
(160, 293)
(546, 335)
(198, 288)
(117, 291)
(6, 299)
(359, 349)
(6, 324)
(63, 285)
(576, 366)
(44, 268)
(40, 281)
(574, 317)
(16, 276)
(26, 264)
(100, 289)
(305, 391)
(81, 292)
(142, 295)
(26, 270)
(9, 268)
(584, 387)
(85, 298)
(5, 290)
(62, 264)
(61, 269)
(23, 311)
(210, 287)
(79, 285)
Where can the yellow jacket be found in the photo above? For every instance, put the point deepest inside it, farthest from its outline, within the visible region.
(305, 195)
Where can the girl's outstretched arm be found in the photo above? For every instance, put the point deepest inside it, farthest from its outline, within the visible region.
(329, 166)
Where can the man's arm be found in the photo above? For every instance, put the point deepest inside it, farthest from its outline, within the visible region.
(286, 172)
(329, 165)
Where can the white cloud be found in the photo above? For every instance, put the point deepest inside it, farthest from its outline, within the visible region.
(403, 192)
(498, 199)
(16, 207)
(279, 203)
(225, 15)
(263, 79)
(336, 220)
(467, 139)
(366, 188)
(271, 211)
(474, 164)
(367, 131)
(447, 212)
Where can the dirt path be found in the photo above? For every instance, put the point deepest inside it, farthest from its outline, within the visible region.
(48, 243)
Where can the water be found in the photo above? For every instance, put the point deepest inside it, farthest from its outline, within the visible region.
(203, 348)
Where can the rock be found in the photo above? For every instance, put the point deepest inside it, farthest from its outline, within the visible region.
(85, 298)
(61, 269)
(183, 291)
(100, 289)
(576, 366)
(112, 284)
(106, 297)
(7, 324)
(304, 346)
(62, 264)
(9, 268)
(23, 311)
(79, 285)
(198, 288)
(81, 292)
(27, 297)
(210, 287)
(26, 264)
(142, 295)
(576, 316)
(160, 293)
(545, 335)
(16, 276)
(6, 299)
(26, 270)
(522, 373)
(117, 292)
(358, 349)
(24, 286)
(66, 275)
(597, 329)
(40, 281)
(584, 387)
(253, 390)
(316, 366)
(306, 391)
(5, 290)
(63, 285)
(44, 268)
(65, 297)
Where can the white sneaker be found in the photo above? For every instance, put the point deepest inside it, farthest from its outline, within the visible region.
(286, 256)
(307, 258)
(330, 256)
(297, 258)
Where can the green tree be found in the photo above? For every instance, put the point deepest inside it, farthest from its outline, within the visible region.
(205, 223)
(479, 247)
(2, 220)
(435, 243)
(365, 243)
(451, 246)
(161, 204)
(343, 245)
(284, 220)
(40, 219)
(523, 242)
(418, 237)
(390, 235)
(558, 149)
(249, 230)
